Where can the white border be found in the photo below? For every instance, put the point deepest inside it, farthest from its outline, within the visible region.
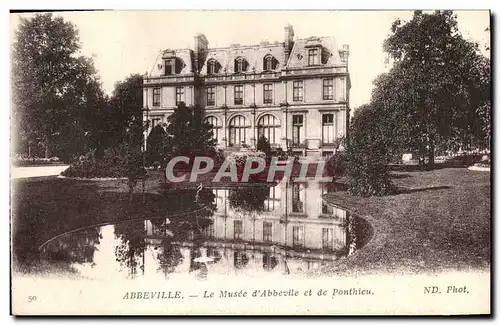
(186, 4)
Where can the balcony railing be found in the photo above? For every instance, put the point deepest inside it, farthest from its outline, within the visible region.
(297, 144)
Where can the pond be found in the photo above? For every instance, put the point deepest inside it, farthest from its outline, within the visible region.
(282, 228)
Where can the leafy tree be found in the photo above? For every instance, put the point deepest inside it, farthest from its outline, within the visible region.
(367, 155)
(437, 91)
(121, 121)
(335, 165)
(155, 146)
(188, 134)
(56, 92)
(263, 145)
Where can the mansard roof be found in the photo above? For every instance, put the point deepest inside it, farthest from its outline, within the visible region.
(185, 55)
(299, 53)
(254, 55)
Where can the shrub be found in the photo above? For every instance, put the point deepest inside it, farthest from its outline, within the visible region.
(115, 162)
(248, 200)
(218, 157)
(335, 165)
(281, 154)
(263, 145)
(240, 157)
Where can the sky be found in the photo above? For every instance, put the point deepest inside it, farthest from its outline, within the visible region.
(127, 42)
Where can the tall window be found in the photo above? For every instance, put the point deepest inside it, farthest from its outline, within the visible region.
(267, 230)
(238, 94)
(156, 96)
(211, 96)
(297, 198)
(328, 128)
(179, 95)
(297, 129)
(327, 89)
(169, 66)
(272, 202)
(268, 94)
(237, 130)
(313, 57)
(216, 127)
(298, 91)
(298, 236)
(238, 229)
(269, 126)
(328, 238)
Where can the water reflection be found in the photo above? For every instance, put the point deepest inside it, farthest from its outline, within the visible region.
(285, 228)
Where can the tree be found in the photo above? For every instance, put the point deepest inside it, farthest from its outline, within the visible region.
(438, 87)
(188, 134)
(263, 145)
(367, 155)
(121, 121)
(56, 92)
(155, 146)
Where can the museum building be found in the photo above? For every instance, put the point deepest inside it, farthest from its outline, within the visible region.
(295, 92)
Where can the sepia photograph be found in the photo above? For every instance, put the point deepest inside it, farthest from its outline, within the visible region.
(250, 162)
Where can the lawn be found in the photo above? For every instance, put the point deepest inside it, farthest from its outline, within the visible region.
(442, 221)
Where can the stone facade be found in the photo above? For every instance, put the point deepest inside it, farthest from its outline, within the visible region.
(295, 92)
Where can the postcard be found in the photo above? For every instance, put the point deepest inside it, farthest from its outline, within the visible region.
(251, 163)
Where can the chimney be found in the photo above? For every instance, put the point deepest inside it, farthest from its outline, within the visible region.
(200, 45)
(289, 34)
(344, 54)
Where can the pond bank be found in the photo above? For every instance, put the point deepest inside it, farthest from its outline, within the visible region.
(441, 223)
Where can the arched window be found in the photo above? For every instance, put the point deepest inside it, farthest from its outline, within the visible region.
(237, 130)
(269, 127)
(270, 63)
(216, 127)
(240, 65)
(213, 66)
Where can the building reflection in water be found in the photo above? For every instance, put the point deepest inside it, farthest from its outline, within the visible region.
(284, 229)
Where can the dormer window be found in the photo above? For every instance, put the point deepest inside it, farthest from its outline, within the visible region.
(270, 63)
(240, 65)
(313, 56)
(173, 66)
(169, 67)
(213, 66)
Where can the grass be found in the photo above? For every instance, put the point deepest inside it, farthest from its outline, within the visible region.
(442, 221)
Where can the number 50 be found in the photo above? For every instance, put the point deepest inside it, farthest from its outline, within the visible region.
(31, 298)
